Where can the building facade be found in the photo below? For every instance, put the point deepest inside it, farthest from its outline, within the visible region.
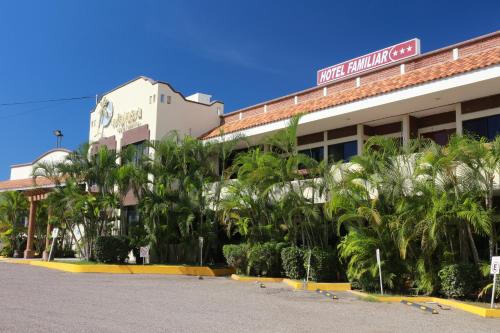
(452, 90)
(35, 189)
(455, 89)
(143, 109)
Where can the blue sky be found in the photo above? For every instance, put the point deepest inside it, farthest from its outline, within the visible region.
(240, 52)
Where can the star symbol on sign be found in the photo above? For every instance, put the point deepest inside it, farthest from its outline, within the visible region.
(395, 53)
(409, 48)
(402, 50)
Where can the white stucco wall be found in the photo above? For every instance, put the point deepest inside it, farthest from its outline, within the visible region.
(187, 117)
(143, 97)
(23, 171)
(132, 99)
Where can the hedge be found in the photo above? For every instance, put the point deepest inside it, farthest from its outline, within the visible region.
(459, 280)
(236, 256)
(323, 264)
(293, 262)
(112, 249)
(265, 259)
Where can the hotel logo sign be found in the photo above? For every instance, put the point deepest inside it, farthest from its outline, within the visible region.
(127, 120)
(369, 61)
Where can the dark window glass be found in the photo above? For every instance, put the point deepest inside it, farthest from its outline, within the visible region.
(440, 137)
(140, 150)
(317, 153)
(342, 151)
(493, 127)
(230, 159)
(488, 127)
(131, 219)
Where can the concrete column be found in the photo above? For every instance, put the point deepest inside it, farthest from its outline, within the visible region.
(325, 146)
(29, 252)
(360, 138)
(458, 119)
(405, 128)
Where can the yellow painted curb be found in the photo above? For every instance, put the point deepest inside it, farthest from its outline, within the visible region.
(254, 278)
(129, 269)
(474, 309)
(341, 286)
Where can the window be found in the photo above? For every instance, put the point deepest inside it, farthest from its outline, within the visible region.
(140, 150)
(488, 127)
(439, 137)
(150, 99)
(162, 98)
(317, 153)
(154, 98)
(131, 220)
(230, 159)
(169, 99)
(342, 151)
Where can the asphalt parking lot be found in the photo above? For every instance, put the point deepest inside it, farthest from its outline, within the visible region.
(34, 299)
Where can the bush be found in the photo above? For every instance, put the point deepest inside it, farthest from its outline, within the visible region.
(322, 265)
(6, 251)
(123, 248)
(293, 262)
(458, 280)
(63, 253)
(112, 249)
(236, 256)
(265, 259)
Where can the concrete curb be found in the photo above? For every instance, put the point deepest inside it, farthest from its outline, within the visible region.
(255, 278)
(296, 284)
(127, 269)
(313, 286)
(477, 310)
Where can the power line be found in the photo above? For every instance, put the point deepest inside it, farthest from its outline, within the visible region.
(24, 112)
(47, 100)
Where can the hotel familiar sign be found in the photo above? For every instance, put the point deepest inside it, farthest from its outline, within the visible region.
(369, 61)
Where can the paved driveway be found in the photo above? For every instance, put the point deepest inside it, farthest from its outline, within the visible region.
(34, 299)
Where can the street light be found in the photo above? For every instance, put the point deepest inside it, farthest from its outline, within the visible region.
(59, 136)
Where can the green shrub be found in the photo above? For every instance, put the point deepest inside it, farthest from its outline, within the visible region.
(66, 252)
(112, 249)
(323, 265)
(293, 262)
(6, 251)
(458, 280)
(265, 259)
(123, 248)
(236, 256)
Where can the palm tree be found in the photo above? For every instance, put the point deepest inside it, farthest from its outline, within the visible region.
(273, 197)
(454, 188)
(13, 207)
(483, 160)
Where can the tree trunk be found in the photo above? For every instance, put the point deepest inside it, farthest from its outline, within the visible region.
(489, 206)
(464, 250)
(475, 254)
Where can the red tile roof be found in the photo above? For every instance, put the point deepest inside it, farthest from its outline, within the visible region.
(411, 78)
(25, 184)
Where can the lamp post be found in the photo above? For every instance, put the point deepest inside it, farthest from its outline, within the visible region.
(59, 136)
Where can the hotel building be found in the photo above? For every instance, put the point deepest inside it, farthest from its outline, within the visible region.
(395, 92)
(455, 89)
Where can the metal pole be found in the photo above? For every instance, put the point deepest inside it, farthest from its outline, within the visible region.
(493, 291)
(201, 255)
(380, 272)
(308, 268)
(53, 245)
(200, 242)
